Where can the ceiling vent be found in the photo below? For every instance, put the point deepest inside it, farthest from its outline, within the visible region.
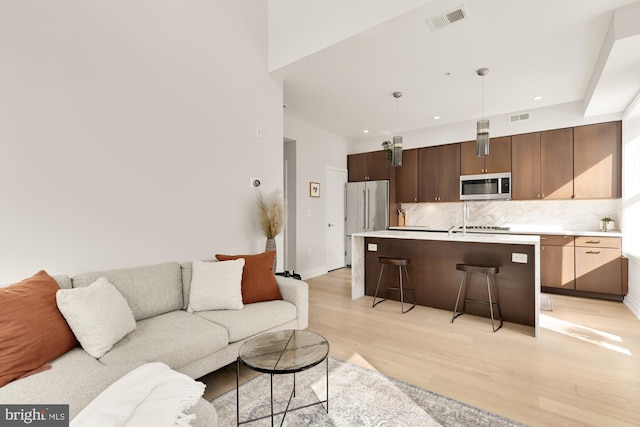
(519, 117)
(442, 20)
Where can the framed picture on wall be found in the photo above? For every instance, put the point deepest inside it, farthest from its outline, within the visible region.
(314, 189)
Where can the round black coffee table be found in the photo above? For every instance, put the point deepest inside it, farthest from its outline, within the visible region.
(282, 352)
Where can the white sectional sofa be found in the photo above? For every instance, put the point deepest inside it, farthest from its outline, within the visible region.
(191, 343)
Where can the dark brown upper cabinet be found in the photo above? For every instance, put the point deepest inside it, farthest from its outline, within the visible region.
(556, 164)
(439, 173)
(371, 166)
(498, 160)
(542, 165)
(597, 168)
(407, 177)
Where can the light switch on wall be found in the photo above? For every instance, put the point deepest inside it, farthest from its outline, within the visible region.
(519, 258)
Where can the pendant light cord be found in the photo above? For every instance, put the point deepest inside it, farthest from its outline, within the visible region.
(483, 97)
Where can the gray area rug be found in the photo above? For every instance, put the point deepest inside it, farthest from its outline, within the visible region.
(357, 397)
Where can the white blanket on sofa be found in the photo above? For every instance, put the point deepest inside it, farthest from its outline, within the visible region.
(150, 395)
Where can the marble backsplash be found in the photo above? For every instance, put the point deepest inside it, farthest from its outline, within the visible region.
(535, 215)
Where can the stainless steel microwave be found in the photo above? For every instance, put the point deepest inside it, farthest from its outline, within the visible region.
(486, 186)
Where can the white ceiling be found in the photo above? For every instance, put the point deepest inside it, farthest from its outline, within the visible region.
(546, 48)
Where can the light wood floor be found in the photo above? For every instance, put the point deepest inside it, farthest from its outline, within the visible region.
(584, 370)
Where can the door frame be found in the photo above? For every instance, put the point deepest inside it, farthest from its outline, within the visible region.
(343, 173)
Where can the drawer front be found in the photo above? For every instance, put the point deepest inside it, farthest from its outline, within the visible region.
(598, 270)
(555, 240)
(601, 242)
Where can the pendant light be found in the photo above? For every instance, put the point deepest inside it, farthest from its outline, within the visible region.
(397, 140)
(482, 138)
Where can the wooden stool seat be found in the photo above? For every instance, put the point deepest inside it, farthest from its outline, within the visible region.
(489, 272)
(401, 263)
(477, 269)
(393, 261)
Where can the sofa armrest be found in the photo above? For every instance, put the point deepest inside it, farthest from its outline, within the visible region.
(297, 293)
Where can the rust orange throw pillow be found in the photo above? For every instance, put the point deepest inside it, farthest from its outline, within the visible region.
(32, 330)
(258, 280)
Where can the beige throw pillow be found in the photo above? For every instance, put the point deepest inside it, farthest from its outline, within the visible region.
(98, 315)
(216, 286)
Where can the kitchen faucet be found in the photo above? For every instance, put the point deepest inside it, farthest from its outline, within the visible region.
(465, 216)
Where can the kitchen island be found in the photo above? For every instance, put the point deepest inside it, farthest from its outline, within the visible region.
(433, 273)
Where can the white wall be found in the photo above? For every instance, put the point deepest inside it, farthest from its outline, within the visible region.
(128, 132)
(300, 28)
(315, 150)
(554, 117)
(631, 202)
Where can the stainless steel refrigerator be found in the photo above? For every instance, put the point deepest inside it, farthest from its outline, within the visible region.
(367, 205)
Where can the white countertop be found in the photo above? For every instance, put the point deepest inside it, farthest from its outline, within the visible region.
(527, 231)
(513, 239)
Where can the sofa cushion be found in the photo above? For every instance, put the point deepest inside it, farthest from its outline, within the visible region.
(63, 281)
(149, 290)
(258, 278)
(252, 319)
(75, 378)
(33, 331)
(216, 286)
(187, 272)
(175, 339)
(98, 315)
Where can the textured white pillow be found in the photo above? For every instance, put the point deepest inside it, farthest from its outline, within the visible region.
(216, 285)
(98, 315)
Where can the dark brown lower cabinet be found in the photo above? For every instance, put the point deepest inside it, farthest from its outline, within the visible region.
(599, 265)
(583, 266)
(557, 262)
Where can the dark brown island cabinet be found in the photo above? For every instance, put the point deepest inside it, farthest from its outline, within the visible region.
(435, 279)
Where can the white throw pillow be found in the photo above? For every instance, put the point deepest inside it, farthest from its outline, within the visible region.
(98, 315)
(216, 285)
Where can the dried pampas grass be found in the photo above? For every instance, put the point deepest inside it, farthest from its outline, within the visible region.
(271, 213)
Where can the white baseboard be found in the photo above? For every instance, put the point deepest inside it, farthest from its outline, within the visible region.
(309, 274)
(632, 300)
(633, 305)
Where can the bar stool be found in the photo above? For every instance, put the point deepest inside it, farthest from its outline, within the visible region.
(400, 262)
(490, 273)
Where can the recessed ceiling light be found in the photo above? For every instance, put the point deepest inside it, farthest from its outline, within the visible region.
(366, 131)
(436, 117)
(537, 98)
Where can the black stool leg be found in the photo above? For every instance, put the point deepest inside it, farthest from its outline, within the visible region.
(490, 284)
(402, 290)
(375, 295)
(464, 283)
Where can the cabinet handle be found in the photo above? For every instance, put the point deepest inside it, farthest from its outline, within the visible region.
(593, 252)
(594, 242)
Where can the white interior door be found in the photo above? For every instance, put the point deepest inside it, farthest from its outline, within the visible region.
(335, 214)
